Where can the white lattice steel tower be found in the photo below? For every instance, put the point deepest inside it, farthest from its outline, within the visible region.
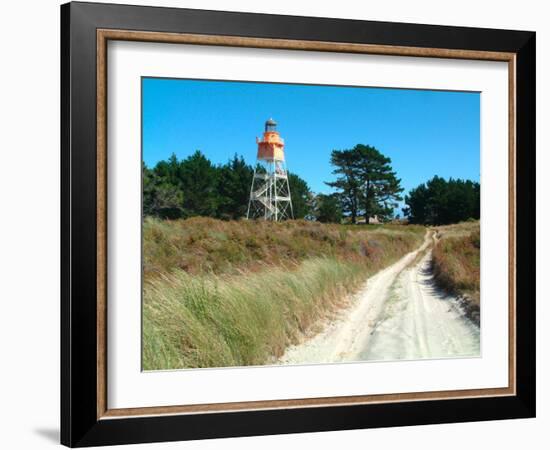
(270, 192)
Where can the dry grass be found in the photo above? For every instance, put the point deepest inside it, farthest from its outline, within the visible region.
(203, 245)
(456, 263)
(458, 230)
(220, 294)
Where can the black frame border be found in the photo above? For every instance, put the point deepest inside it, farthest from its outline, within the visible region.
(79, 423)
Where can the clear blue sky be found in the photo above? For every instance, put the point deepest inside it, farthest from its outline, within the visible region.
(425, 133)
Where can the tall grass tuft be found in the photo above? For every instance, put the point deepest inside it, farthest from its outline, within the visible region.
(456, 265)
(209, 321)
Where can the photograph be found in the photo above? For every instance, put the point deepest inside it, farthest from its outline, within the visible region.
(286, 221)
(288, 224)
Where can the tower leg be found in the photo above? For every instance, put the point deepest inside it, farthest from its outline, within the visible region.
(289, 195)
(251, 192)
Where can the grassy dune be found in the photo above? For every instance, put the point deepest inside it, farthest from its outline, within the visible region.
(222, 293)
(456, 263)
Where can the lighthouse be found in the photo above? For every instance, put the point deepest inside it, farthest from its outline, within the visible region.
(270, 192)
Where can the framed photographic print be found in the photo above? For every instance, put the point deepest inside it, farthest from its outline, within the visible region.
(276, 224)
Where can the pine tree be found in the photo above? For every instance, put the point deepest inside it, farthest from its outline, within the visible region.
(366, 182)
(199, 183)
(347, 182)
(380, 186)
(301, 196)
(234, 188)
(160, 197)
(440, 201)
(328, 209)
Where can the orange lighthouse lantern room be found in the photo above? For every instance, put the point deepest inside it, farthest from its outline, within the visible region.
(271, 146)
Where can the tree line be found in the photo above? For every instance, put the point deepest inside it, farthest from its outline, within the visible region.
(194, 186)
(440, 201)
(365, 186)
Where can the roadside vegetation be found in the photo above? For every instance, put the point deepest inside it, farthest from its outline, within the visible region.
(456, 264)
(232, 293)
(194, 186)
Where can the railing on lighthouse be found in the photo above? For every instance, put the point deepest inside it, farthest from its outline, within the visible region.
(270, 191)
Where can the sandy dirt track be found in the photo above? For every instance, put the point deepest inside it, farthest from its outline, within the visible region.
(397, 314)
